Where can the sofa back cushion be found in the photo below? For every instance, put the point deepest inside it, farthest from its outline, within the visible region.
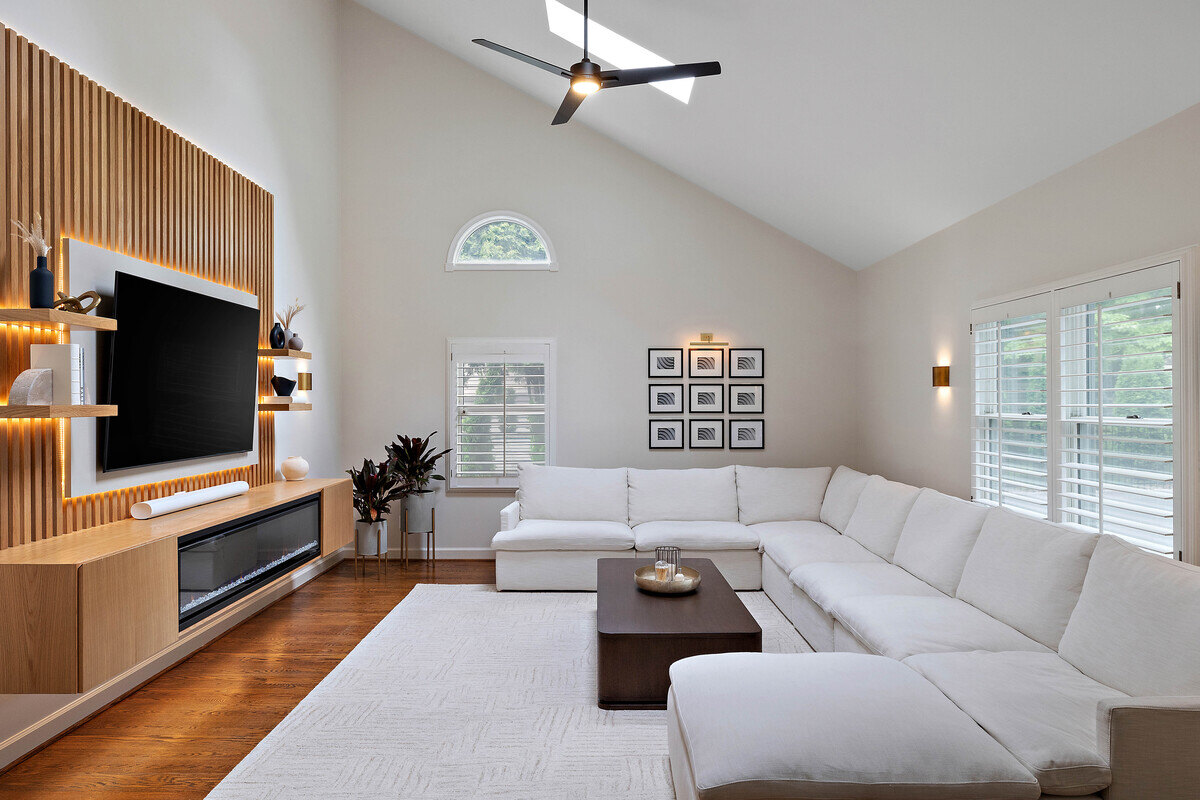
(777, 494)
(937, 538)
(1137, 624)
(1027, 573)
(879, 516)
(573, 493)
(682, 494)
(841, 496)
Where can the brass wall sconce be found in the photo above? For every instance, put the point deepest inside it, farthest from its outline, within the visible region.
(304, 381)
(941, 377)
(706, 340)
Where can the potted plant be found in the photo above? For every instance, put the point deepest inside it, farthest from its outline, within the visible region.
(415, 461)
(375, 487)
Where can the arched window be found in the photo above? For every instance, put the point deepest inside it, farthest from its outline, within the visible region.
(501, 240)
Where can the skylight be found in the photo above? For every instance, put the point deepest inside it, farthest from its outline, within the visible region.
(613, 47)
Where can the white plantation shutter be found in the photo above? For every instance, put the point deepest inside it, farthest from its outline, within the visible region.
(1009, 438)
(500, 410)
(1117, 407)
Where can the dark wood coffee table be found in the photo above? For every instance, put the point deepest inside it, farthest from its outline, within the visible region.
(641, 635)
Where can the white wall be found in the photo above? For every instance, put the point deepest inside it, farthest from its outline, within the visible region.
(647, 259)
(1137, 199)
(253, 84)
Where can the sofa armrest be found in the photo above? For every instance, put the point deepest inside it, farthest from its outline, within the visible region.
(510, 515)
(1150, 743)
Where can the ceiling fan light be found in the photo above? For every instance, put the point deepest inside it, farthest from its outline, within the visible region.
(585, 85)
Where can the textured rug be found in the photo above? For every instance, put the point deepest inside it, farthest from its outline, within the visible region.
(466, 692)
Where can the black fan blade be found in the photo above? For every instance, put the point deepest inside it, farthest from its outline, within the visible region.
(633, 77)
(517, 54)
(569, 104)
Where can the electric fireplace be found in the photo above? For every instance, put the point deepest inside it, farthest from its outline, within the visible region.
(218, 565)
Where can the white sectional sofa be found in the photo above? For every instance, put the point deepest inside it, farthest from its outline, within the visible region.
(963, 652)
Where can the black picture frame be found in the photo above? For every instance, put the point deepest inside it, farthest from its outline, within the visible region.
(651, 366)
(718, 390)
(762, 434)
(653, 440)
(717, 424)
(736, 374)
(652, 405)
(720, 373)
(762, 397)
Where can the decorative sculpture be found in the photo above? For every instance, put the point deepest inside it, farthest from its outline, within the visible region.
(75, 304)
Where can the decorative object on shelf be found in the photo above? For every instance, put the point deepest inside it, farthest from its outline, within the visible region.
(304, 381)
(684, 581)
(33, 387)
(666, 398)
(746, 362)
(294, 468)
(275, 337)
(285, 317)
(706, 398)
(746, 434)
(295, 343)
(664, 362)
(666, 434)
(282, 386)
(41, 279)
(706, 362)
(941, 377)
(706, 434)
(66, 361)
(75, 304)
(375, 487)
(746, 398)
(181, 500)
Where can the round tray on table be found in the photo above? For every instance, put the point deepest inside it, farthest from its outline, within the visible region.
(644, 577)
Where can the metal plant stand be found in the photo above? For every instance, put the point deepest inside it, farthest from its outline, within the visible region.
(430, 538)
(380, 555)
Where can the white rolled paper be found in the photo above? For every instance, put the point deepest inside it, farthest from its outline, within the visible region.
(181, 500)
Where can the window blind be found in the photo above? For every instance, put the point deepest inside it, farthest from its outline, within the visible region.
(500, 414)
(1116, 429)
(1009, 436)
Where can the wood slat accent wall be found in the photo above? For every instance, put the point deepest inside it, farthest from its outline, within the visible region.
(100, 171)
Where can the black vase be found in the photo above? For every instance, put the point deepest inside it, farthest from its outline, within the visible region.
(277, 337)
(283, 386)
(41, 285)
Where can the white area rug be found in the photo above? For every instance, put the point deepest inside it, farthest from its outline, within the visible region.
(466, 692)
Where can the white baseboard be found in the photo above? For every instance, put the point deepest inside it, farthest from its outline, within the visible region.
(414, 551)
(84, 705)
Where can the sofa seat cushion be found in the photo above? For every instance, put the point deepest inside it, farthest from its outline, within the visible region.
(1035, 704)
(831, 725)
(937, 538)
(841, 497)
(556, 534)
(573, 493)
(777, 494)
(1137, 624)
(702, 535)
(828, 583)
(899, 627)
(879, 516)
(790, 545)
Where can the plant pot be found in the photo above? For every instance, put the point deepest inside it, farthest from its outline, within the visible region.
(41, 285)
(276, 337)
(370, 537)
(419, 508)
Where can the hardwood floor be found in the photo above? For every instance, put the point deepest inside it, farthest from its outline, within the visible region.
(180, 734)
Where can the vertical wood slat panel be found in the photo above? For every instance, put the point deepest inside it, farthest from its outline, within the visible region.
(99, 170)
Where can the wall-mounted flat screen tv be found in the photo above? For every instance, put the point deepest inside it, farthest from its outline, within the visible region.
(183, 372)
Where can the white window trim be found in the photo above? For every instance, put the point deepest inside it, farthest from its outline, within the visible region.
(500, 346)
(453, 265)
(1187, 344)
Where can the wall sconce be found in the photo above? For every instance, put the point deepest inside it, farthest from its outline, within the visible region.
(706, 340)
(941, 377)
(304, 381)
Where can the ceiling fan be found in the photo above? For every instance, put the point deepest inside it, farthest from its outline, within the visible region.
(587, 78)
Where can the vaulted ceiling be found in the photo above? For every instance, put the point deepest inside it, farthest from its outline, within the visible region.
(859, 126)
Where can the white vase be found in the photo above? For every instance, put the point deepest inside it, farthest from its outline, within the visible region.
(371, 537)
(294, 468)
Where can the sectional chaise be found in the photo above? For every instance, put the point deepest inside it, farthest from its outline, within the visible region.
(963, 652)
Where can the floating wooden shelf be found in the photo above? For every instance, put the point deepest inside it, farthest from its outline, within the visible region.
(284, 354)
(52, 316)
(55, 412)
(285, 406)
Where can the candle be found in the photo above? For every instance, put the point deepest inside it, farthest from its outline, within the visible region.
(662, 571)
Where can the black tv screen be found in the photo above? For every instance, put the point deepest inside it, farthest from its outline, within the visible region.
(183, 372)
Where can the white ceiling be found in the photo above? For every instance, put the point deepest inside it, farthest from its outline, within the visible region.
(859, 126)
